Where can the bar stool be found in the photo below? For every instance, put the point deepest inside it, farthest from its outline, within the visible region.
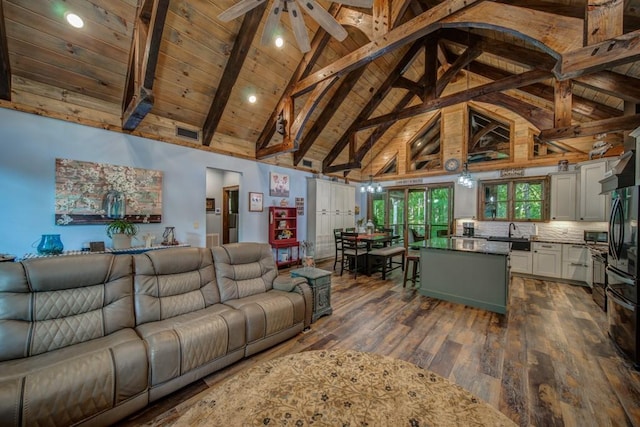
(413, 262)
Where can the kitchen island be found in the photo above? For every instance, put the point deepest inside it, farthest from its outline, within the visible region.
(467, 271)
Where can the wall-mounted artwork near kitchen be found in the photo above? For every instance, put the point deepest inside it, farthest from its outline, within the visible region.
(97, 193)
(278, 185)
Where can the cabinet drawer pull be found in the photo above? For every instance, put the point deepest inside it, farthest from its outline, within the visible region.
(546, 246)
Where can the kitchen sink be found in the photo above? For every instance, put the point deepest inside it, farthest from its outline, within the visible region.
(517, 243)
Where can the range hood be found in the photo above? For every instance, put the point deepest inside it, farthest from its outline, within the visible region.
(622, 175)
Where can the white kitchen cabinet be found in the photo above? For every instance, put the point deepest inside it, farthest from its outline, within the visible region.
(547, 259)
(330, 205)
(465, 201)
(563, 196)
(592, 206)
(521, 262)
(575, 262)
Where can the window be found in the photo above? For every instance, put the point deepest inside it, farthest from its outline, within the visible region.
(517, 200)
(489, 138)
(423, 151)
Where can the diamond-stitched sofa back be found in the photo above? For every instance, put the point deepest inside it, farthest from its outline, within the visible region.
(244, 269)
(171, 282)
(50, 303)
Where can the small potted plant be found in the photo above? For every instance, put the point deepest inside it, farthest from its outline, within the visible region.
(121, 231)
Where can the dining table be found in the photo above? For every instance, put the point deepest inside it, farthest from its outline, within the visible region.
(370, 239)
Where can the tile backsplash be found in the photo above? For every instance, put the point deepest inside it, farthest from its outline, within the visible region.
(554, 230)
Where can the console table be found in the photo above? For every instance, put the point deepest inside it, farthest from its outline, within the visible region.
(320, 283)
(133, 250)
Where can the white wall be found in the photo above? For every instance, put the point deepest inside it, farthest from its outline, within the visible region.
(29, 145)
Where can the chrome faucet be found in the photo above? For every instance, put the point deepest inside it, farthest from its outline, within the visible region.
(514, 228)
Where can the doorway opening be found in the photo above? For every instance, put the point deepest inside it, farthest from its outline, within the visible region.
(230, 197)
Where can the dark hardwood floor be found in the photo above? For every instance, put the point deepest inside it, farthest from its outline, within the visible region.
(548, 362)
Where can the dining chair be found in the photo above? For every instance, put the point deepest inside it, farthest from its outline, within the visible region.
(352, 250)
(417, 237)
(337, 238)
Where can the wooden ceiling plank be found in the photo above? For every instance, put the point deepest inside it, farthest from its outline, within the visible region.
(616, 124)
(603, 20)
(373, 103)
(600, 56)
(614, 84)
(563, 97)
(141, 101)
(5, 66)
(356, 19)
(239, 52)
(320, 40)
(330, 109)
(410, 31)
(512, 82)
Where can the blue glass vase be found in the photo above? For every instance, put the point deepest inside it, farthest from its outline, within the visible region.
(50, 244)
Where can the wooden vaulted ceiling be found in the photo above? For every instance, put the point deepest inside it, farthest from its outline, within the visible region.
(571, 68)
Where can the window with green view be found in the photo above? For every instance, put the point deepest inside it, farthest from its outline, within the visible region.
(517, 200)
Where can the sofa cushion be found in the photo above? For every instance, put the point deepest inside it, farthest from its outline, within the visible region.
(50, 303)
(182, 343)
(244, 269)
(71, 384)
(171, 282)
(270, 312)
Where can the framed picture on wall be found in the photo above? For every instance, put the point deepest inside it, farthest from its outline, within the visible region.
(278, 185)
(255, 202)
(211, 205)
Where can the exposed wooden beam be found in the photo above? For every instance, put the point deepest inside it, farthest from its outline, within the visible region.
(143, 61)
(381, 18)
(5, 67)
(563, 96)
(585, 107)
(239, 52)
(431, 54)
(409, 85)
(512, 82)
(410, 31)
(373, 103)
(332, 106)
(471, 53)
(342, 167)
(617, 124)
(613, 84)
(537, 116)
(398, 10)
(320, 40)
(293, 134)
(600, 56)
(603, 20)
(356, 19)
(482, 132)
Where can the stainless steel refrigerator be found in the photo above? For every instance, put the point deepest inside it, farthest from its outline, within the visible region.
(622, 272)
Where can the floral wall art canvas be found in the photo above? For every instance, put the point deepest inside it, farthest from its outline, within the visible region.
(97, 193)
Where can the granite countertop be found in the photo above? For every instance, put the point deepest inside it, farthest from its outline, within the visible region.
(465, 245)
(539, 239)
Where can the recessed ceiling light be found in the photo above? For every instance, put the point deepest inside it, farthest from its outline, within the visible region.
(279, 41)
(252, 99)
(74, 20)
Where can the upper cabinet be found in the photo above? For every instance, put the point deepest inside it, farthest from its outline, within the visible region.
(592, 206)
(575, 196)
(563, 196)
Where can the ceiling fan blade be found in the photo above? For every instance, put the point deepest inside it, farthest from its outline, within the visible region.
(238, 9)
(299, 27)
(272, 22)
(357, 3)
(323, 18)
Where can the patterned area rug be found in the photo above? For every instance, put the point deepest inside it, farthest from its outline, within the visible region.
(337, 388)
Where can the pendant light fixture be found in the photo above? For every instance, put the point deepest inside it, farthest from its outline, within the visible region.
(465, 179)
(371, 187)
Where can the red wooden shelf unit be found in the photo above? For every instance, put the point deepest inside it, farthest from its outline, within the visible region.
(283, 235)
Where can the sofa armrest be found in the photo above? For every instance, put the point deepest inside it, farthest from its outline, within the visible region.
(299, 285)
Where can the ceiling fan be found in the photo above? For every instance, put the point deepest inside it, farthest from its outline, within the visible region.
(322, 17)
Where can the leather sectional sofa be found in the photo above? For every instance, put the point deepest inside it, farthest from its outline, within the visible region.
(90, 339)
